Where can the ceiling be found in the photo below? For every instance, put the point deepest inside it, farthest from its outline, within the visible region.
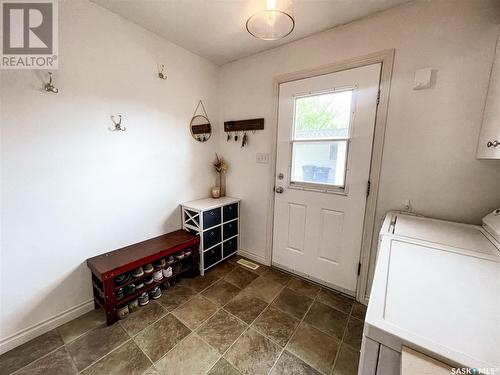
(215, 29)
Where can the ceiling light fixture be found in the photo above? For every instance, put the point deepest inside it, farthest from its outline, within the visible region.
(270, 24)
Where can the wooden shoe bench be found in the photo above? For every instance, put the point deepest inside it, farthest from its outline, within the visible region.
(106, 267)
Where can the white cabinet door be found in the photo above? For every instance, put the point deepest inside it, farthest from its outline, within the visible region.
(489, 138)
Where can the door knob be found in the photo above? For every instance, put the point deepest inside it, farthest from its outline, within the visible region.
(279, 190)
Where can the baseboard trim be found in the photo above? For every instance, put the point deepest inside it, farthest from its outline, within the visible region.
(44, 326)
(251, 256)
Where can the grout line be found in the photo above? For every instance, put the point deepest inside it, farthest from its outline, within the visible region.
(293, 334)
(43, 356)
(72, 360)
(150, 324)
(248, 326)
(166, 311)
(234, 342)
(204, 320)
(172, 348)
(342, 340)
(193, 331)
(108, 353)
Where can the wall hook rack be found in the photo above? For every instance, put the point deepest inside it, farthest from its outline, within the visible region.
(161, 72)
(117, 121)
(49, 87)
(243, 126)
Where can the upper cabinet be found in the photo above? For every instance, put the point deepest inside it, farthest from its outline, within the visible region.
(489, 138)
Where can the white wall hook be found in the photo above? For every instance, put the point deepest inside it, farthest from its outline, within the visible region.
(117, 121)
(49, 87)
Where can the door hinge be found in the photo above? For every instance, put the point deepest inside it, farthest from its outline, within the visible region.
(359, 268)
(378, 97)
(368, 187)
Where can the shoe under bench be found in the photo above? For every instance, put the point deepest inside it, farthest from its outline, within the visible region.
(107, 266)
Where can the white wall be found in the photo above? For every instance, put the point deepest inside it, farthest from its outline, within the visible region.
(70, 188)
(431, 135)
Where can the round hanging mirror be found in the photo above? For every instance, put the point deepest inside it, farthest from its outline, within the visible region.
(201, 130)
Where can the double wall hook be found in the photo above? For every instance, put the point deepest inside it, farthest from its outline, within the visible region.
(118, 123)
(49, 87)
(161, 72)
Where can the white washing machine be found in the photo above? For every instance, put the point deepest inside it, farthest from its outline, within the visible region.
(436, 289)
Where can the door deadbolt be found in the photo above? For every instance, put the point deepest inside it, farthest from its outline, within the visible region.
(281, 176)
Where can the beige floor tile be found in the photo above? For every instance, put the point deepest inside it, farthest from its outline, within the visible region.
(303, 287)
(240, 277)
(191, 356)
(253, 353)
(358, 310)
(354, 333)
(221, 269)
(143, 317)
(276, 325)
(292, 303)
(262, 268)
(199, 283)
(30, 351)
(175, 296)
(277, 276)
(247, 308)
(160, 337)
(289, 364)
(314, 347)
(310, 346)
(347, 361)
(82, 324)
(223, 367)
(221, 330)
(195, 311)
(327, 319)
(335, 300)
(58, 362)
(221, 292)
(263, 288)
(95, 344)
(127, 359)
(151, 371)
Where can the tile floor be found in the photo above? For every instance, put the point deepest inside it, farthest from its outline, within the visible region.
(232, 321)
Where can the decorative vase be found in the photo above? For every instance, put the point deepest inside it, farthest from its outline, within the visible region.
(216, 192)
(222, 184)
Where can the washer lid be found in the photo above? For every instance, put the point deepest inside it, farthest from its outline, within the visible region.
(460, 236)
(491, 223)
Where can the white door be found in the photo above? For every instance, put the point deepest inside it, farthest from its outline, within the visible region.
(324, 146)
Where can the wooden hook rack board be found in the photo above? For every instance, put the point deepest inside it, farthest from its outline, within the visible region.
(244, 125)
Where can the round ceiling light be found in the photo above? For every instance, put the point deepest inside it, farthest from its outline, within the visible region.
(270, 24)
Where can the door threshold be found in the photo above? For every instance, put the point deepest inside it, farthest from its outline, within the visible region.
(321, 283)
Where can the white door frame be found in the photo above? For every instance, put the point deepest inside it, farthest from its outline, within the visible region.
(386, 58)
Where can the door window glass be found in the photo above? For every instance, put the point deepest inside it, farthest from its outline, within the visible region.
(320, 138)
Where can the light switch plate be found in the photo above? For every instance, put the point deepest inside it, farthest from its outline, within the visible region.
(262, 158)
